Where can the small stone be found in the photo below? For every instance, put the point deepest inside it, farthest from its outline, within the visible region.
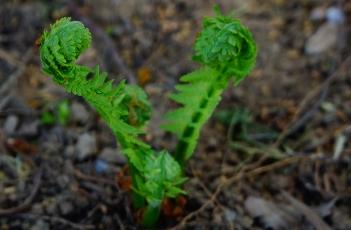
(40, 225)
(63, 181)
(293, 54)
(86, 146)
(112, 156)
(101, 166)
(328, 106)
(79, 113)
(69, 151)
(317, 14)
(323, 39)
(66, 207)
(37, 208)
(335, 15)
(29, 129)
(230, 215)
(10, 124)
(51, 207)
(329, 118)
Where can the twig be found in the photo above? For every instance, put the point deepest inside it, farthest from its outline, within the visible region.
(27, 202)
(4, 102)
(109, 47)
(9, 58)
(322, 90)
(310, 215)
(202, 185)
(83, 176)
(260, 149)
(99, 189)
(57, 220)
(236, 178)
(120, 223)
(7, 85)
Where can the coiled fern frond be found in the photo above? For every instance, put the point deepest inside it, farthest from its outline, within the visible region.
(59, 50)
(61, 46)
(227, 46)
(228, 51)
(124, 108)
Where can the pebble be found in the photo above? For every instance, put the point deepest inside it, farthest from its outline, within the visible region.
(40, 225)
(86, 146)
(69, 151)
(79, 113)
(66, 207)
(317, 14)
(112, 156)
(55, 137)
(63, 181)
(230, 215)
(101, 166)
(335, 15)
(29, 129)
(322, 40)
(37, 208)
(51, 207)
(10, 124)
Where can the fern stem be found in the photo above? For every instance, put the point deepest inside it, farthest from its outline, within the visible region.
(200, 114)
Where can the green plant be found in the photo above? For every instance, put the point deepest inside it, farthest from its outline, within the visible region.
(62, 116)
(227, 50)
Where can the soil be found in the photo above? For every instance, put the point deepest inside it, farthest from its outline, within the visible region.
(275, 155)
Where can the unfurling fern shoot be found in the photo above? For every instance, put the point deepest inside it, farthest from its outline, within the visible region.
(227, 51)
(125, 108)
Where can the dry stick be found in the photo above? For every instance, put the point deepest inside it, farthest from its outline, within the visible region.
(57, 220)
(9, 58)
(310, 214)
(11, 80)
(202, 185)
(238, 177)
(27, 202)
(321, 90)
(102, 38)
(94, 187)
(120, 223)
(4, 102)
(83, 176)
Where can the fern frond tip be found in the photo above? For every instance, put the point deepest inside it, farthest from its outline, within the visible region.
(227, 46)
(62, 44)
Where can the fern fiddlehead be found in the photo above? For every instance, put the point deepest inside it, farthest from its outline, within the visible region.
(228, 51)
(59, 50)
(124, 108)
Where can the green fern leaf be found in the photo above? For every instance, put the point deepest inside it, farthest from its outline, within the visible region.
(228, 51)
(124, 108)
(199, 95)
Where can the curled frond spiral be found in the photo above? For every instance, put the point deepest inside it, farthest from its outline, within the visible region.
(227, 46)
(62, 45)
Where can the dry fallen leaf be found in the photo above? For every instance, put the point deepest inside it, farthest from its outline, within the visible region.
(144, 76)
(18, 145)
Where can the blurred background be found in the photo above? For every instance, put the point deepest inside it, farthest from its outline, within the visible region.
(276, 154)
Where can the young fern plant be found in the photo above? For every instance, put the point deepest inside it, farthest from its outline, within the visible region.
(227, 51)
(125, 108)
